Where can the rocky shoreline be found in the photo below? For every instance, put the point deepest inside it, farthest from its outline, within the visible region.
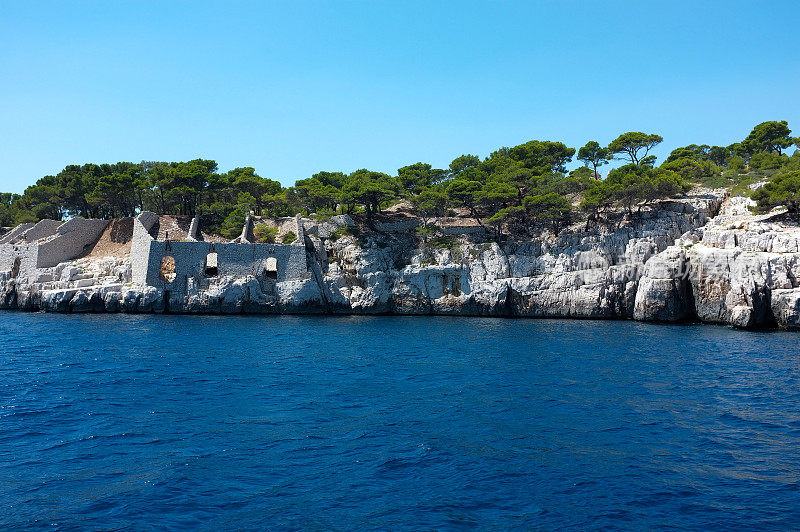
(701, 258)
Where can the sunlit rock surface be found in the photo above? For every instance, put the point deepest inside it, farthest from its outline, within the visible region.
(703, 257)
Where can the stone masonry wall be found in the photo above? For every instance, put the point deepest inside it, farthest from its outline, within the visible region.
(234, 260)
(73, 238)
(140, 246)
(26, 253)
(42, 229)
(13, 233)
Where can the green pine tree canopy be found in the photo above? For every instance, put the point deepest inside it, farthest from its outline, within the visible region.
(512, 188)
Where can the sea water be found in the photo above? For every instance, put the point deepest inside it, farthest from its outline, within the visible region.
(394, 423)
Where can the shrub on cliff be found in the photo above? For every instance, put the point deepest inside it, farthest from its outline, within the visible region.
(783, 190)
(551, 208)
(289, 237)
(430, 203)
(265, 234)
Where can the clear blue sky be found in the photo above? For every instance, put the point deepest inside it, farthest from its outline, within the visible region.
(295, 87)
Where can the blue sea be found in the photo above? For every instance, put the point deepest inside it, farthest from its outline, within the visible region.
(118, 422)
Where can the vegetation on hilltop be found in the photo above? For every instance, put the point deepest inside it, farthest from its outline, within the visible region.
(516, 189)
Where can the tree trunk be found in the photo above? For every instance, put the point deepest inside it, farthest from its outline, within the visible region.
(589, 218)
(368, 210)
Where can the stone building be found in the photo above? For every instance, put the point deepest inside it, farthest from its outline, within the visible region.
(185, 267)
(53, 264)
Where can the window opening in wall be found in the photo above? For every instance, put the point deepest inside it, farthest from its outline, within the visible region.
(167, 272)
(271, 268)
(15, 267)
(212, 270)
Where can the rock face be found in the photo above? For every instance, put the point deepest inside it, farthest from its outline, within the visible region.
(738, 269)
(582, 274)
(700, 258)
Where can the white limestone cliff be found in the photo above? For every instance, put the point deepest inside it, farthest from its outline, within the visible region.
(739, 269)
(683, 261)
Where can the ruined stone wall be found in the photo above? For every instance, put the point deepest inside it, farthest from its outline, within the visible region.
(148, 219)
(72, 239)
(247, 230)
(48, 243)
(192, 236)
(42, 229)
(398, 226)
(233, 259)
(26, 253)
(300, 231)
(140, 246)
(18, 230)
(463, 230)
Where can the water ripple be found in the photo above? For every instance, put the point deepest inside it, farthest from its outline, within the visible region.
(375, 423)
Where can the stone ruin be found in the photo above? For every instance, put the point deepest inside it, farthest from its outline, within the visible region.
(181, 266)
(29, 247)
(52, 263)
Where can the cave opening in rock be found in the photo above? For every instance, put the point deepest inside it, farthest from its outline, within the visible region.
(455, 286)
